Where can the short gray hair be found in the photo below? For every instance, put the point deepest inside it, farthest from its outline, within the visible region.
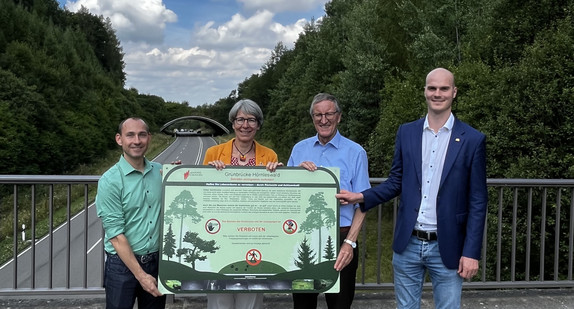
(249, 107)
(320, 97)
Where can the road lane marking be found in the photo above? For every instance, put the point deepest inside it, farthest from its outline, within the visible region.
(92, 247)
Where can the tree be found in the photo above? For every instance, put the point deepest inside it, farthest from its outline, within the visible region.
(183, 206)
(306, 256)
(258, 86)
(318, 216)
(403, 102)
(367, 62)
(169, 243)
(20, 108)
(105, 45)
(329, 249)
(42, 46)
(199, 246)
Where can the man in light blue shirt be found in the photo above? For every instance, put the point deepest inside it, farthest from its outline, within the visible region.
(330, 149)
(129, 204)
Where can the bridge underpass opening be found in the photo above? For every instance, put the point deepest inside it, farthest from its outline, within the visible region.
(194, 125)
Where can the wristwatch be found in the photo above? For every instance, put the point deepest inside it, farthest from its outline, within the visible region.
(350, 242)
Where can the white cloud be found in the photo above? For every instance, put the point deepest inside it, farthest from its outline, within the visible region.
(195, 75)
(201, 64)
(289, 33)
(220, 56)
(282, 5)
(141, 20)
(257, 30)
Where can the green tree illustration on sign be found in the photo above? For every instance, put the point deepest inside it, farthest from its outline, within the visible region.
(329, 249)
(183, 206)
(306, 256)
(169, 243)
(200, 246)
(318, 216)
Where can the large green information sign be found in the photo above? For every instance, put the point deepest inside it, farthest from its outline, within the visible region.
(247, 229)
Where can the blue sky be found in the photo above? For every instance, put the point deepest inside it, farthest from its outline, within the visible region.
(199, 50)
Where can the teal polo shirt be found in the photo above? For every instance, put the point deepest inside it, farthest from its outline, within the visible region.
(129, 202)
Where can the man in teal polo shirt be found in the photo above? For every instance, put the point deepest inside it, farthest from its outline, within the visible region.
(129, 203)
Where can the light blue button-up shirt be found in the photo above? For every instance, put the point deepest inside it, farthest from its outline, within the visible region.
(341, 152)
(129, 202)
(434, 147)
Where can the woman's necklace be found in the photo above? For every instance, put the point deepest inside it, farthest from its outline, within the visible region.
(242, 157)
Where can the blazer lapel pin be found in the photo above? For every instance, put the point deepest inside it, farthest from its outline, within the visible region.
(457, 139)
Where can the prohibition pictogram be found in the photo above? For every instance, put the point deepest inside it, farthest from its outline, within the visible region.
(253, 257)
(290, 226)
(212, 226)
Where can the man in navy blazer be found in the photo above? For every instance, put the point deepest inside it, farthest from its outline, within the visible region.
(439, 171)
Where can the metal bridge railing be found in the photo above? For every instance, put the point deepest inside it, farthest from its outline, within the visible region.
(528, 240)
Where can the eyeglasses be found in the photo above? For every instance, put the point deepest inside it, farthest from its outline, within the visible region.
(240, 121)
(329, 115)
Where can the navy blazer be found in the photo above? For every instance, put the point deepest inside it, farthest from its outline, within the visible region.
(462, 196)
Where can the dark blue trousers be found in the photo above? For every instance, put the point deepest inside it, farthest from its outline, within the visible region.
(122, 288)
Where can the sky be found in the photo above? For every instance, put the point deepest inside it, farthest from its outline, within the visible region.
(198, 51)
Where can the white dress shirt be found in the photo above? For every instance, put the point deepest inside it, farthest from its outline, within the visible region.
(434, 147)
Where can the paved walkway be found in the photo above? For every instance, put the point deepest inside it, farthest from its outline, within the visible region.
(481, 299)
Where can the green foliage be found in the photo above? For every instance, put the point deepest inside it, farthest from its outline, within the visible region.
(18, 134)
(366, 62)
(257, 86)
(329, 249)
(182, 206)
(200, 246)
(318, 216)
(61, 89)
(402, 104)
(305, 255)
(105, 45)
(169, 243)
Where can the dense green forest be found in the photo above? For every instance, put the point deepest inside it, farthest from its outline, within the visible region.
(62, 89)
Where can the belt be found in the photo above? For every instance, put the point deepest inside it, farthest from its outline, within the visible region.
(141, 258)
(344, 229)
(424, 235)
(147, 257)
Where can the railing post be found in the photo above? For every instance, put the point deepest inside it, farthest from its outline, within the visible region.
(15, 252)
(33, 239)
(543, 233)
(557, 232)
